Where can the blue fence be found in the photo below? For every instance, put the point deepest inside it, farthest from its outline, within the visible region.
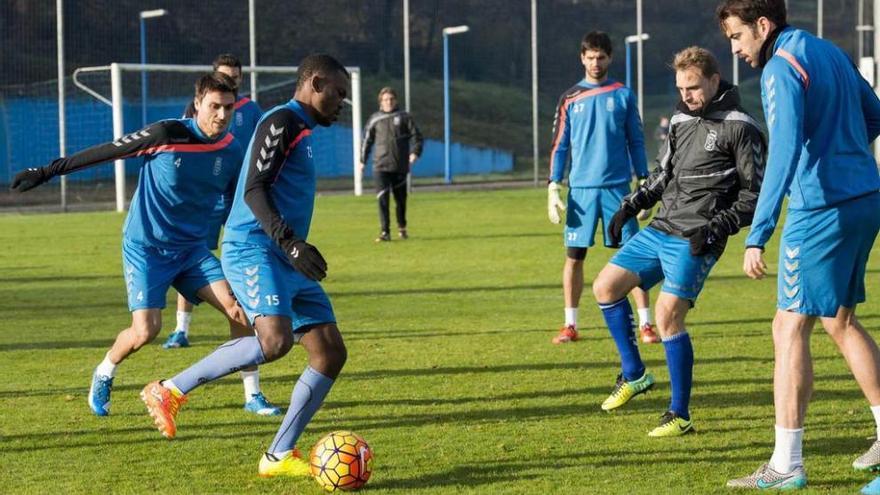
(27, 140)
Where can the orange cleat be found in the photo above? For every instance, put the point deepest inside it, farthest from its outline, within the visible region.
(567, 334)
(649, 335)
(162, 404)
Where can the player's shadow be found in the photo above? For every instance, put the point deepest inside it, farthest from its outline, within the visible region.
(507, 235)
(55, 345)
(442, 290)
(54, 278)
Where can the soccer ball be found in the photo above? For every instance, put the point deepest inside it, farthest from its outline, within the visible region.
(341, 460)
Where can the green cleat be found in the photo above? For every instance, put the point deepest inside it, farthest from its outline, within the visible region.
(672, 425)
(624, 390)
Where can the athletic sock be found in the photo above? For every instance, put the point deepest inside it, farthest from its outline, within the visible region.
(787, 453)
(106, 368)
(644, 316)
(875, 410)
(680, 360)
(228, 358)
(571, 317)
(183, 320)
(307, 397)
(619, 318)
(251, 382)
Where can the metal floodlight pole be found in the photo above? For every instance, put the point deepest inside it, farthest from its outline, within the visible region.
(144, 15)
(628, 41)
(62, 119)
(406, 55)
(118, 131)
(535, 157)
(819, 20)
(639, 56)
(252, 40)
(447, 32)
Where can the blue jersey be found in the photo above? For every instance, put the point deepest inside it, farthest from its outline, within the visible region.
(183, 176)
(244, 122)
(599, 126)
(821, 116)
(275, 195)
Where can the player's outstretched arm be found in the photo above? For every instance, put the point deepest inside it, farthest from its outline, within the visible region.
(273, 140)
(138, 143)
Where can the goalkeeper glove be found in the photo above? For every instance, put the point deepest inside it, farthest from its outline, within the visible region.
(554, 202)
(615, 226)
(29, 179)
(305, 258)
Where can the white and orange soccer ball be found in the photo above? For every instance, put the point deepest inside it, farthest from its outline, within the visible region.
(342, 460)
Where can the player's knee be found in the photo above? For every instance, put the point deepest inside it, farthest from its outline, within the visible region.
(603, 289)
(331, 359)
(276, 345)
(669, 320)
(143, 334)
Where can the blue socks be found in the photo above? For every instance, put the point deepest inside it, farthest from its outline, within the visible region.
(228, 358)
(619, 318)
(680, 360)
(308, 395)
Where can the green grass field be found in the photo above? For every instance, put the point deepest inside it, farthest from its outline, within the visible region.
(451, 374)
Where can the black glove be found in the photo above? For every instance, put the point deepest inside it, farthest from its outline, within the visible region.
(305, 258)
(29, 179)
(615, 227)
(705, 240)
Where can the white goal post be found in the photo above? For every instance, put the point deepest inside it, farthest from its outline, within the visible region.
(116, 99)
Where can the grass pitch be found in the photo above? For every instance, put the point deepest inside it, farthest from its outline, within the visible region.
(451, 375)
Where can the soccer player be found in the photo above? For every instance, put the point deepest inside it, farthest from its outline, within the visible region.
(244, 121)
(273, 270)
(188, 165)
(597, 123)
(821, 116)
(398, 146)
(247, 114)
(707, 180)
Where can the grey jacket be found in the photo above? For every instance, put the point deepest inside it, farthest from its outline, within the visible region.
(709, 170)
(395, 136)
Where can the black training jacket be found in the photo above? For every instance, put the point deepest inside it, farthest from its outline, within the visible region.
(708, 170)
(395, 135)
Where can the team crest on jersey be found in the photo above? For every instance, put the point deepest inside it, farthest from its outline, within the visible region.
(218, 165)
(396, 120)
(711, 139)
(309, 150)
(239, 118)
(609, 104)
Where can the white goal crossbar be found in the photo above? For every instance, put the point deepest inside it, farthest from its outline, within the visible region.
(116, 102)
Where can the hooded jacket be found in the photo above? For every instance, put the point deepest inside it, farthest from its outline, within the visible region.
(709, 170)
(395, 136)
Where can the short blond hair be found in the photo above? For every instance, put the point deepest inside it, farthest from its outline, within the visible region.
(698, 58)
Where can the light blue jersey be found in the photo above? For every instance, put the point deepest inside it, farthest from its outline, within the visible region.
(279, 158)
(821, 116)
(599, 126)
(182, 178)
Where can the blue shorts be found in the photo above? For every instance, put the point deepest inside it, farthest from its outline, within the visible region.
(266, 285)
(655, 256)
(586, 206)
(150, 271)
(823, 254)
